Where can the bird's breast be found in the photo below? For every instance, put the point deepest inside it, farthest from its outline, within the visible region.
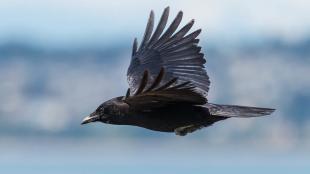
(169, 118)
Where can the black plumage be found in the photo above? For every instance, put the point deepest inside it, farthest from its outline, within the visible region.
(168, 84)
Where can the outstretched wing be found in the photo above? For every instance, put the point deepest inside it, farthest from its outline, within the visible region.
(157, 95)
(177, 52)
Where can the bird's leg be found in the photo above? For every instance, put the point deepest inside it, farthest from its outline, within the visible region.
(182, 131)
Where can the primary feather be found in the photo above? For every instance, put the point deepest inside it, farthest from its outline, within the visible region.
(176, 51)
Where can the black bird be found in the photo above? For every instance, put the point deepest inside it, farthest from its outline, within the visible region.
(168, 84)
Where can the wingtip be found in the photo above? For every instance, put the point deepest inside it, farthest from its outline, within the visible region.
(151, 17)
(179, 16)
(191, 22)
(166, 10)
(271, 110)
(266, 111)
(180, 13)
(134, 47)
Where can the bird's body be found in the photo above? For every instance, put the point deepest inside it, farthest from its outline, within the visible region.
(171, 118)
(168, 85)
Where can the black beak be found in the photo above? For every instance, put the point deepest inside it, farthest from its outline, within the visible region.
(91, 118)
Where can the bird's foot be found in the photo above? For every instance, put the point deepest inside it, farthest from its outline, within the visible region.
(182, 131)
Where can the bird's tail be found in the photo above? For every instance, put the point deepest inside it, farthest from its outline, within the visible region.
(237, 111)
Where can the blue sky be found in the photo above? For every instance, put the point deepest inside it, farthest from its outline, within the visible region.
(80, 22)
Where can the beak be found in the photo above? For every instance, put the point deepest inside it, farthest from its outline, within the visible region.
(91, 118)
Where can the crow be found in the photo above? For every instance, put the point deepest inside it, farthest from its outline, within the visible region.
(168, 84)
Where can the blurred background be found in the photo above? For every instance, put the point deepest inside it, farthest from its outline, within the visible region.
(60, 59)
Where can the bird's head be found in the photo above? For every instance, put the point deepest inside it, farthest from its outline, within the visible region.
(107, 112)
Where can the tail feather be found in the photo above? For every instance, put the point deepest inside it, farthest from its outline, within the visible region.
(237, 111)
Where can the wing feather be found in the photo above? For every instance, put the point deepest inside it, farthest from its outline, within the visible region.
(172, 28)
(134, 47)
(176, 51)
(143, 83)
(157, 80)
(160, 27)
(177, 36)
(148, 30)
(165, 95)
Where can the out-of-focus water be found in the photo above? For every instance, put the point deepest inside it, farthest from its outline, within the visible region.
(154, 156)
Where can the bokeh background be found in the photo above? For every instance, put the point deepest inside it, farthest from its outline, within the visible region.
(60, 59)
